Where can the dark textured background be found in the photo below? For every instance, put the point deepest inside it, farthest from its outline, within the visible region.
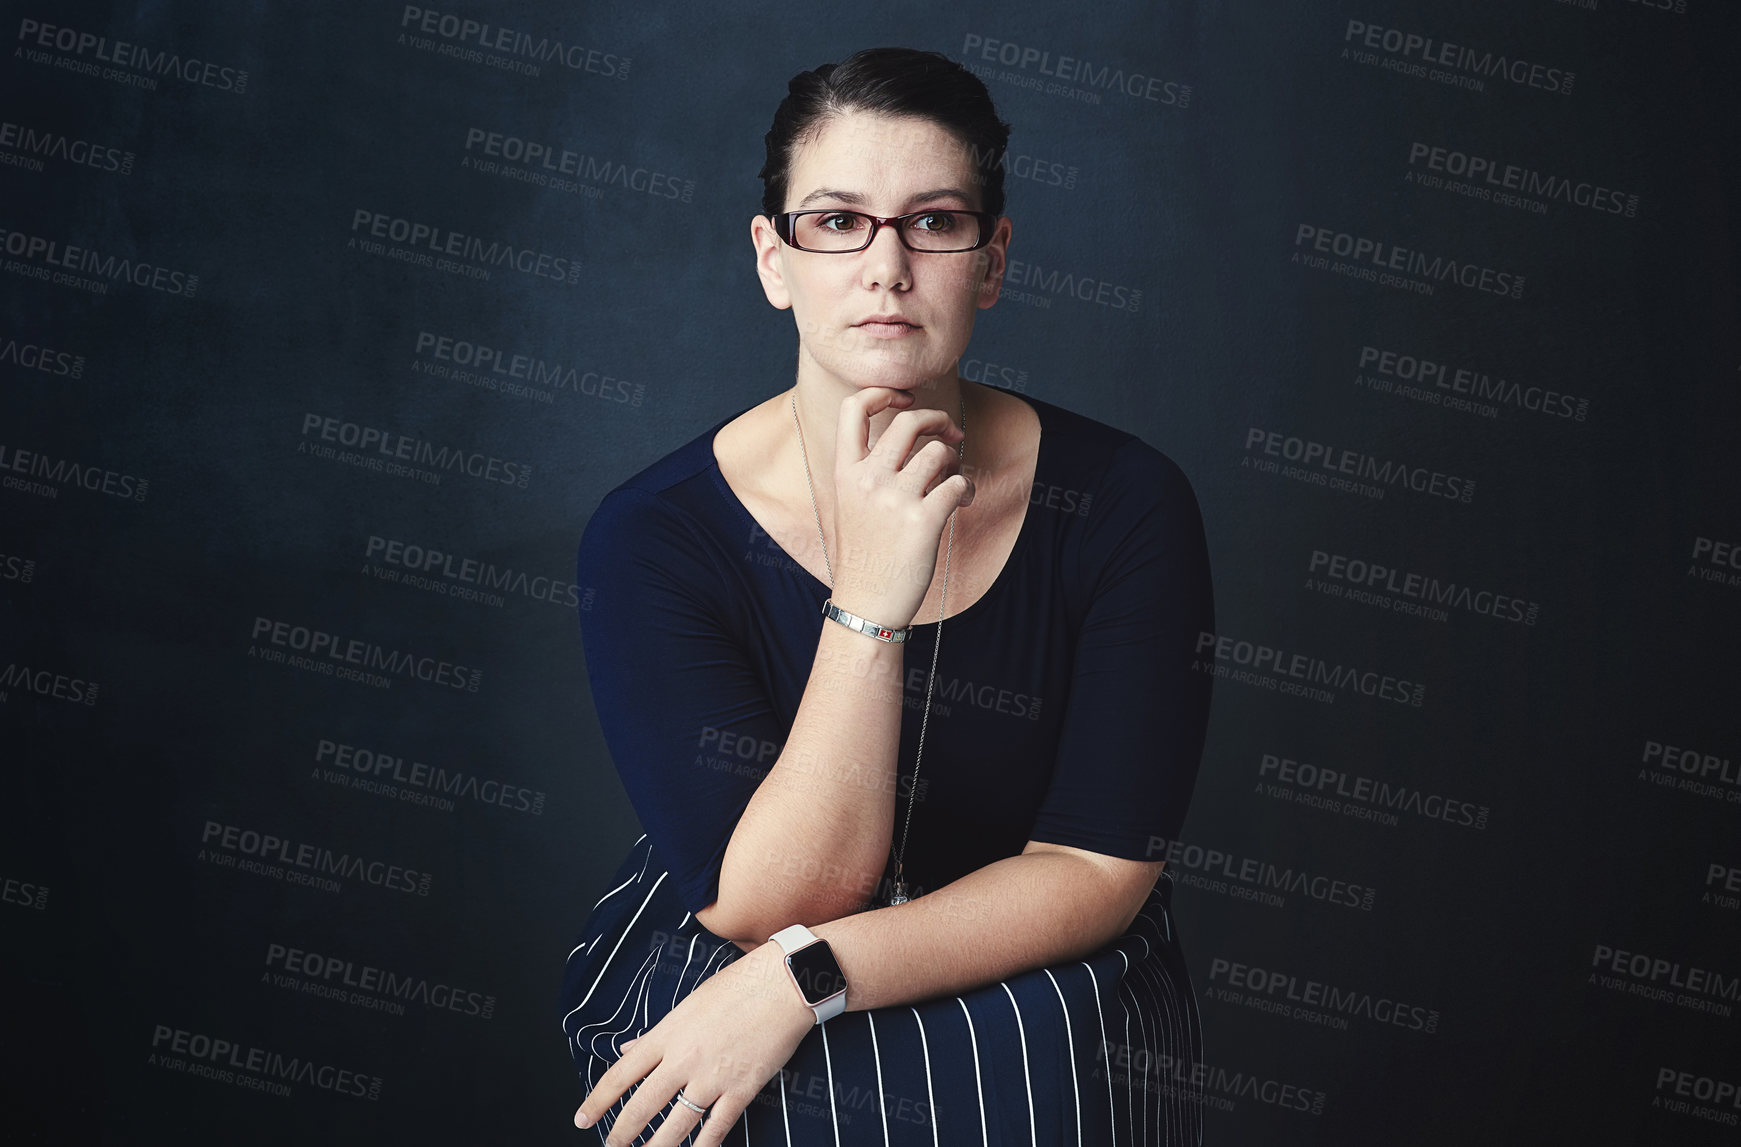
(116, 922)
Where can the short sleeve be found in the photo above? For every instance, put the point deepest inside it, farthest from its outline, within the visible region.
(688, 723)
(1137, 713)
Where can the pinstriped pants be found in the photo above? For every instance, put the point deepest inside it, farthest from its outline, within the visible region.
(1097, 1052)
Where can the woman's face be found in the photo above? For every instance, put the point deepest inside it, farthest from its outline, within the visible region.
(885, 166)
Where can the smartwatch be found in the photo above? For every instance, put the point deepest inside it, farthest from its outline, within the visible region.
(811, 964)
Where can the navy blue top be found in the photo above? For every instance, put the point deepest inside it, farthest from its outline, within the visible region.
(1066, 707)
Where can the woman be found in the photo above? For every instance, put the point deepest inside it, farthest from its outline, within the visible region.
(954, 850)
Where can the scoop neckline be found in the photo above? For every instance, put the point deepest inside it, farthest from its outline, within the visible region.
(997, 583)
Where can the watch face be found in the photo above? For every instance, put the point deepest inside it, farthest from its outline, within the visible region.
(817, 972)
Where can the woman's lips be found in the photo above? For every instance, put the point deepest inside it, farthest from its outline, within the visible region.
(887, 329)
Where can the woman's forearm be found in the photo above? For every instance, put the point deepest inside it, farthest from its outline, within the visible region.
(814, 839)
(1012, 916)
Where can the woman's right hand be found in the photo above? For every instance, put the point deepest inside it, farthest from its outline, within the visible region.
(892, 504)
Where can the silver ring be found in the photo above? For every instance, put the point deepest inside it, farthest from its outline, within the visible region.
(681, 1098)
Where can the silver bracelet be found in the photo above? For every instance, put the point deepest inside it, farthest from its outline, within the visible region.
(868, 628)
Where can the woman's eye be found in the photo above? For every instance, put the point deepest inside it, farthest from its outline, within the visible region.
(934, 221)
(843, 221)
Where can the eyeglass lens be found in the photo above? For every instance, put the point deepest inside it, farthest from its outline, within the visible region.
(850, 231)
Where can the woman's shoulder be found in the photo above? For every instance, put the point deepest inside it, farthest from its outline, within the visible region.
(665, 474)
(672, 496)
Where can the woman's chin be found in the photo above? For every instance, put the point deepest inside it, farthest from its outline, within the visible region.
(899, 375)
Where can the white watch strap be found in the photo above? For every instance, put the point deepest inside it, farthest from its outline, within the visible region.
(829, 1008)
(793, 937)
(796, 936)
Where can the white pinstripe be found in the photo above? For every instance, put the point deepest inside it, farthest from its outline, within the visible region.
(1111, 1112)
(636, 879)
(785, 1117)
(1190, 1112)
(639, 979)
(749, 1107)
(1165, 1024)
(619, 944)
(1193, 1019)
(1185, 1112)
(725, 950)
(1027, 1082)
(1167, 1034)
(588, 945)
(877, 1059)
(1169, 1037)
(984, 1134)
(687, 957)
(925, 1051)
(1129, 1095)
(1070, 1039)
(828, 1064)
(647, 1004)
(1131, 983)
(1199, 1087)
(1172, 1039)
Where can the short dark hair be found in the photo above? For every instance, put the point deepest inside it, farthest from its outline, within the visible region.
(896, 82)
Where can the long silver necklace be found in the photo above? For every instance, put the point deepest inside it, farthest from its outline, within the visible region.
(899, 895)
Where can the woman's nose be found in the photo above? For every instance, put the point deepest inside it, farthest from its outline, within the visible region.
(886, 261)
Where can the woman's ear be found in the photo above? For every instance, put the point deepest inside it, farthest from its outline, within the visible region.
(995, 258)
(769, 259)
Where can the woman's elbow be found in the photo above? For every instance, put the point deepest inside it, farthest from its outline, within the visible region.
(727, 926)
(750, 926)
(716, 920)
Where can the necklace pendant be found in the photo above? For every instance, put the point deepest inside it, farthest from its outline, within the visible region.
(899, 896)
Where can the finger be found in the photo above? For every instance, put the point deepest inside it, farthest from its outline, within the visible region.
(618, 1078)
(852, 428)
(652, 1096)
(929, 465)
(680, 1120)
(950, 495)
(905, 428)
(721, 1118)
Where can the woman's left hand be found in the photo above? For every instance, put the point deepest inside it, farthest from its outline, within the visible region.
(725, 1040)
